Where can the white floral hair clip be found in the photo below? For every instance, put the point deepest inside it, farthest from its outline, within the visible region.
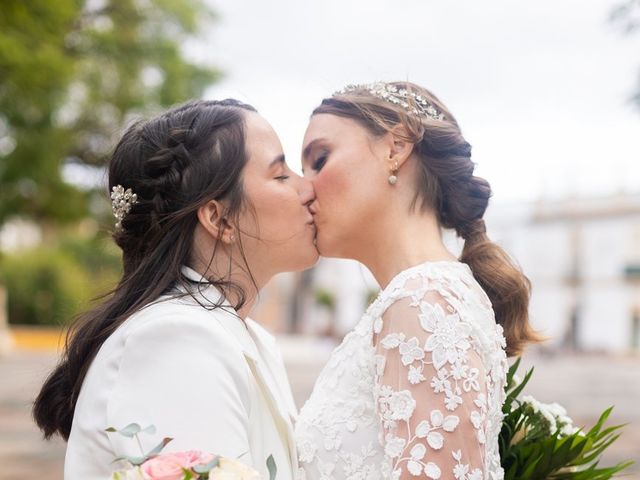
(412, 102)
(121, 202)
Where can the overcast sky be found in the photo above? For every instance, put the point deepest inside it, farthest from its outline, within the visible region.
(540, 88)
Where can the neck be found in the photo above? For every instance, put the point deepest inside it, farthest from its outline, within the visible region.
(402, 242)
(235, 272)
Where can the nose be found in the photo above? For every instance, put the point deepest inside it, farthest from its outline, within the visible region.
(306, 191)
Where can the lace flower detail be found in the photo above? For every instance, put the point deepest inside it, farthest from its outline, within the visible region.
(450, 335)
(393, 340)
(401, 405)
(415, 375)
(411, 351)
(394, 445)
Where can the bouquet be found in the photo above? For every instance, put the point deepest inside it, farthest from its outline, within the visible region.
(539, 441)
(188, 465)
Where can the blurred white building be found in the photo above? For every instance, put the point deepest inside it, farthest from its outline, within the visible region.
(582, 256)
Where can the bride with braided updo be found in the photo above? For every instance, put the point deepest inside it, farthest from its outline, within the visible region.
(207, 211)
(416, 389)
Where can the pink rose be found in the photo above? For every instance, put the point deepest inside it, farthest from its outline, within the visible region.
(168, 466)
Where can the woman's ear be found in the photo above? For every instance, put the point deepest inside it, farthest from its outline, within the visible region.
(400, 149)
(212, 217)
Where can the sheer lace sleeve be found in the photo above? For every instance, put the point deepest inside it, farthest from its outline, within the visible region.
(430, 390)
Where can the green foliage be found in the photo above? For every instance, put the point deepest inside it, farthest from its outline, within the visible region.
(325, 298)
(370, 296)
(71, 73)
(271, 466)
(626, 15)
(50, 285)
(529, 451)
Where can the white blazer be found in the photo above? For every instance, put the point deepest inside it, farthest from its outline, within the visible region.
(200, 376)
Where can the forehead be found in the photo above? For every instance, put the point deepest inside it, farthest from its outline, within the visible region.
(262, 142)
(328, 126)
(258, 129)
(323, 123)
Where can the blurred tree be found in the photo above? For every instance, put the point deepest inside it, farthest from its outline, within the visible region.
(627, 15)
(71, 73)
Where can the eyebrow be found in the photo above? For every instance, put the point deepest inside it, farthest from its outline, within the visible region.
(278, 159)
(307, 150)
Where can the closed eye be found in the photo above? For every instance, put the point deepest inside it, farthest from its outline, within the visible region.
(319, 162)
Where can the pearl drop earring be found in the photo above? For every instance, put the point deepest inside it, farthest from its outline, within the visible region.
(393, 178)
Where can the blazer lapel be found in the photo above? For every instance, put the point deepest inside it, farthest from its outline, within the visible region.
(261, 358)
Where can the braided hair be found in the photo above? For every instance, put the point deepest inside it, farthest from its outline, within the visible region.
(175, 163)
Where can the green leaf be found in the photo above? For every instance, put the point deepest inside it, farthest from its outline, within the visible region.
(135, 461)
(151, 430)
(158, 448)
(130, 430)
(517, 390)
(207, 467)
(271, 466)
(539, 455)
(188, 474)
(512, 371)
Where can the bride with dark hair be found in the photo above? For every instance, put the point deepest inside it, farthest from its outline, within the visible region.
(207, 212)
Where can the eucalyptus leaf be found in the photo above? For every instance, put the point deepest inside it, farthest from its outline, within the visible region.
(207, 467)
(158, 448)
(151, 430)
(135, 461)
(130, 430)
(271, 466)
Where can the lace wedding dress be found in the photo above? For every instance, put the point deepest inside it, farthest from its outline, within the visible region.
(415, 390)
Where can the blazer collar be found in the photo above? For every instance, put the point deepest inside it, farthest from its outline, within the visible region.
(256, 344)
(229, 319)
(259, 349)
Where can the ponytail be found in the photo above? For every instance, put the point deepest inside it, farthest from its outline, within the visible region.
(504, 283)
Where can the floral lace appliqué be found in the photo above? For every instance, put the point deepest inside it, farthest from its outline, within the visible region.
(421, 374)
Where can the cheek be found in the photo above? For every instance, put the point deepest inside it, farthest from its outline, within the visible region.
(278, 212)
(332, 187)
(345, 195)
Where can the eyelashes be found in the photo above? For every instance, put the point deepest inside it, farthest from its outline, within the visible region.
(319, 162)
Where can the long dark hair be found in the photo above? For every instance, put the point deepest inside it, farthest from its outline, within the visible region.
(447, 185)
(174, 163)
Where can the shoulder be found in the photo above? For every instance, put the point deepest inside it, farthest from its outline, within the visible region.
(450, 285)
(426, 299)
(416, 306)
(174, 321)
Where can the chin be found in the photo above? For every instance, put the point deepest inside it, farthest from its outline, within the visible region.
(328, 248)
(300, 257)
(309, 260)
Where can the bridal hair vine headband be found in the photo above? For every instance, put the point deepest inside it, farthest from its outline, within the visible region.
(121, 202)
(412, 102)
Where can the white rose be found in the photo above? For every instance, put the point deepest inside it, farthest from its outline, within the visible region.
(230, 469)
(130, 474)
